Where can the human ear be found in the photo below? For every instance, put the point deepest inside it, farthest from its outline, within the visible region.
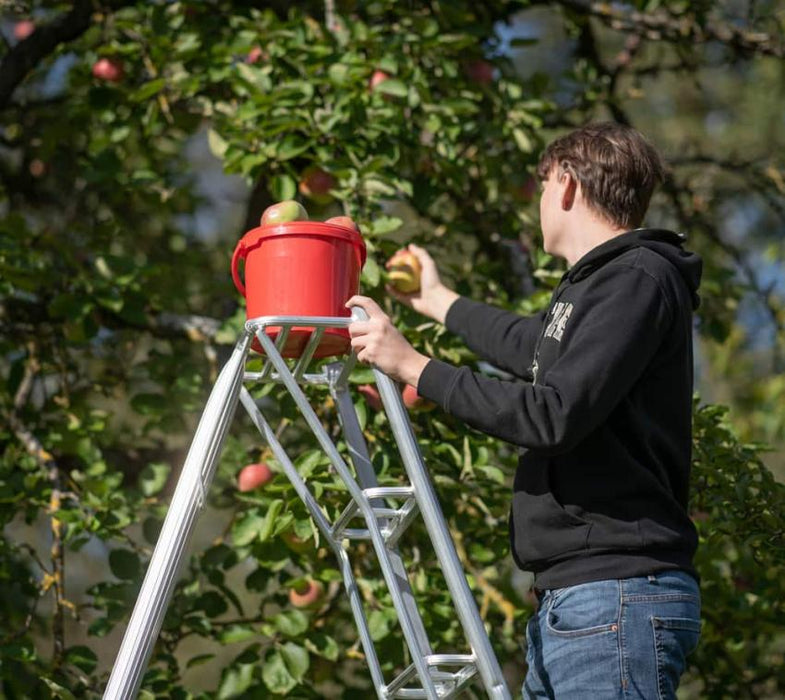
(570, 188)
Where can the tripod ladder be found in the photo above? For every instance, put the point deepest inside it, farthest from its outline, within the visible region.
(376, 513)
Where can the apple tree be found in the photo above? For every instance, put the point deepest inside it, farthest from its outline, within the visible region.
(422, 122)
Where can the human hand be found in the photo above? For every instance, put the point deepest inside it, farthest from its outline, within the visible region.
(379, 343)
(433, 298)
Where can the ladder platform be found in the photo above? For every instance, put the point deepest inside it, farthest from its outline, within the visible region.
(448, 683)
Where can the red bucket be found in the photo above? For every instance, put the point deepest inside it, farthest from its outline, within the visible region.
(300, 268)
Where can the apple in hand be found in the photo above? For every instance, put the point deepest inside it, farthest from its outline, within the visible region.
(307, 594)
(252, 476)
(404, 271)
(288, 210)
(316, 184)
(108, 70)
(371, 395)
(345, 221)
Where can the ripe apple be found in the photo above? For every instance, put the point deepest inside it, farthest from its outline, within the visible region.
(404, 271)
(288, 210)
(23, 29)
(108, 69)
(316, 184)
(378, 76)
(345, 221)
(413, 401)
(307, 594)
(252, 476)
(255, 55)
(479, 71)
(371, 394)
(37, 167)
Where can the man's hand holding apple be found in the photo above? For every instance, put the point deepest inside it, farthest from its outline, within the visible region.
(433, 298)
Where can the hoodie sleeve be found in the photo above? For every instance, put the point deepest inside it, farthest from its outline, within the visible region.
(505, 339)
(614, 331)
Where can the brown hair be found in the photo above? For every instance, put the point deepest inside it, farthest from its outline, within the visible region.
(615, 165)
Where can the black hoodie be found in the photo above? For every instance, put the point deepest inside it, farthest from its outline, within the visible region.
(603, 415)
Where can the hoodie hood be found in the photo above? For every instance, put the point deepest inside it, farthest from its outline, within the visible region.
(666, 243)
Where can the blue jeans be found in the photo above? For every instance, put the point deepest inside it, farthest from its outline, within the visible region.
(625, 638)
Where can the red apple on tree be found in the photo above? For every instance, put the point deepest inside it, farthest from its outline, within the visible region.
(108, 70)
(479, 71)
(371, 394)
(23, 29)
(345, 221)
(404, 271)
(316, 184)
(378, 76)
(307, 594)
(37, 167)
(255, 55)
(253, 476)
(288, 210)
(413, 401)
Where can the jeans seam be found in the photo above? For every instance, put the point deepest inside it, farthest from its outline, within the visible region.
(622, 643)
(657, 650)
(662, 598)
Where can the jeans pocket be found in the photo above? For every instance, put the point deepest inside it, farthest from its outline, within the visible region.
(583, 610)
(674, 639)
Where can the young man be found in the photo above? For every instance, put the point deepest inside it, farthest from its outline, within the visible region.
(603, 417)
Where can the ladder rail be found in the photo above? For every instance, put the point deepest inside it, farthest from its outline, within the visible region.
(187, 502)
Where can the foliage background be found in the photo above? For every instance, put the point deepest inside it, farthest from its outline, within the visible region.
(117, 309)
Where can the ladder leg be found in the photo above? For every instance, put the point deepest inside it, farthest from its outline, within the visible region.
(465, 606)
(350, 583)
(379, 544)
(187, 502)
(367, 478)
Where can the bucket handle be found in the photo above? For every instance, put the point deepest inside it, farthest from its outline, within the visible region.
(239, 253)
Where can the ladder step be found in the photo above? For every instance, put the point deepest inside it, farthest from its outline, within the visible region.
(448, 683)
(392, 521)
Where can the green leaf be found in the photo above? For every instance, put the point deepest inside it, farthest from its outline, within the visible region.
(153, 478)
(282, 187)
(246, 528)
(392, 87)
(276, 675)
(297, 660)
(82, 657)
(124, 564)
(58, 691)
(235, 681)
(237, 633)
(371, 274)
(323, 645)
(216, 143)
(148, 90)
(291, 623)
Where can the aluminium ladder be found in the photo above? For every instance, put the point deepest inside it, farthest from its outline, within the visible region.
(430, 675)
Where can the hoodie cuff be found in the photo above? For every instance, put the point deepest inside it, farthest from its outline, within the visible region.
(436, 382)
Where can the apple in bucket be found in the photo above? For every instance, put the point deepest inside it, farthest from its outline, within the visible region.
(404, 271)
(283, 212)
(345, 221)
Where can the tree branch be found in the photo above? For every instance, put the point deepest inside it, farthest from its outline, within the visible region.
(682, 30)
(18, 62)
